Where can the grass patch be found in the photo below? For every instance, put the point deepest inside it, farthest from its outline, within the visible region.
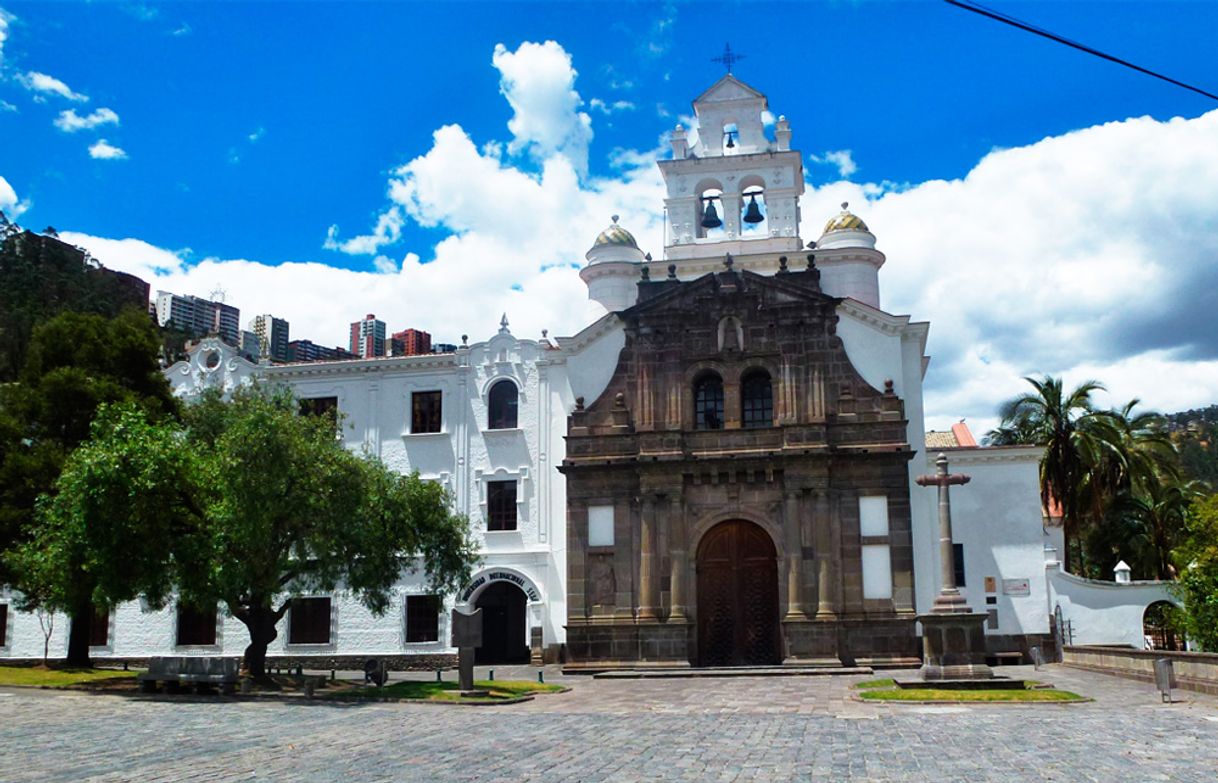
(943, 694)
(38, 676)
(869, 684)
(427, 690)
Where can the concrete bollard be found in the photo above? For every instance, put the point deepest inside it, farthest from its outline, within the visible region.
(438, 677)
(541, 677)
(333, 675)
(492, 676)
(308, 688)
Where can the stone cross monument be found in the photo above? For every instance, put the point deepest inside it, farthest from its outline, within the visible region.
(953, 638)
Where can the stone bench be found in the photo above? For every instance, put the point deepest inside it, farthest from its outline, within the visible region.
(198, 672)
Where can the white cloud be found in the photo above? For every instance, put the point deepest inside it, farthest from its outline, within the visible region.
(5, 106)
(842, 159)
(539, 84)
(135, 256)
(5, 19)
(388, 230)
(49, 85)
(1089, 254)
(104, 150)
(69, 121)
(9, 204)
(610, 108)
(181, 30)
(257, 135)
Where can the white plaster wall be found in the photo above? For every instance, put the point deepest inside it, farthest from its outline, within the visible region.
(996, 516)
(1104, 612)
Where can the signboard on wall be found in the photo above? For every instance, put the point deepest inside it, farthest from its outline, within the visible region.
(1016, 587)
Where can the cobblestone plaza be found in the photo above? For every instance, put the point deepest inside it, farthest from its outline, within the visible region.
(771, 729)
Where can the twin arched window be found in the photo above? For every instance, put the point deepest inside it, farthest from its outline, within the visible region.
(756, 401)
(501, 404)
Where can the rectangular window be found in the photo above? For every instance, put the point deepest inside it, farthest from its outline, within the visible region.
(873, 515)
(425, 411)
(196, 627)
(877, 571)
(958, 557)
(3, 625)
(600, 525)
(320, 406)
(309, 621)
(99, 628)
(422, 618)
(501, 505)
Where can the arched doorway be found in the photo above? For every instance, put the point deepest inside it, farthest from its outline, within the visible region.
(1159, 626)
(737, 597)
(504, 614)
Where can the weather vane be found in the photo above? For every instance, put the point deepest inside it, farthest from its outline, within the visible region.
(728, 58)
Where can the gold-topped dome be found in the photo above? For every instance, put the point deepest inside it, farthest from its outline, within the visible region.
(615, 235)
(845, 221)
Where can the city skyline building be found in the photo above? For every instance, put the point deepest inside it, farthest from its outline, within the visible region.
(274, 336)
(198, 316)
(368, 337)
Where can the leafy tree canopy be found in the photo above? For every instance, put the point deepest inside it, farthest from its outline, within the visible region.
(1197, 561)
(244, 502)
(75, 363)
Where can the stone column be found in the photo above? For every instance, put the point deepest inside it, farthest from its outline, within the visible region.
(826, 559)
(949, 599)
(795, 604)
(676, 557)
(647, 592)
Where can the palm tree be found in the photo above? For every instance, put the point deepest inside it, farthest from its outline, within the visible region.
(1143, 528)
(1076, 439)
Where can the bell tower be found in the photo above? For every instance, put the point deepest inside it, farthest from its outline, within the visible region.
(733, 190)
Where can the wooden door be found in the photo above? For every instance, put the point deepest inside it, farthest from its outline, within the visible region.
(737, 597)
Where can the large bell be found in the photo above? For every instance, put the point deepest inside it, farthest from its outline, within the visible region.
(753, 213)
(710, 218)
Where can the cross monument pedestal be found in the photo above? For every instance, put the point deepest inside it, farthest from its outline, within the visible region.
(953, 638)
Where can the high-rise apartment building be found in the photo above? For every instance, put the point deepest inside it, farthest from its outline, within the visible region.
(368, 337)
(273, 334)
(410, 342)
(309, 351)
(198, 316)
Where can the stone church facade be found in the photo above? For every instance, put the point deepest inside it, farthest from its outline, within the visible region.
(735, 454)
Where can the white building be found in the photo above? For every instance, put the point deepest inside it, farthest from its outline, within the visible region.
(488, 421)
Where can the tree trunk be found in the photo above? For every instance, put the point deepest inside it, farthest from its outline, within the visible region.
(78, 636)
(260, 622)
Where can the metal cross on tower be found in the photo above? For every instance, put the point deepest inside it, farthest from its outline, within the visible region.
(728, 58)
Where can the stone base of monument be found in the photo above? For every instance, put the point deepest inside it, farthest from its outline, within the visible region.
(953, 646)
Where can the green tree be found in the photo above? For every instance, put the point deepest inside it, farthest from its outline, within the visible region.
(1197, 562)
(1075, 437)
(74, 364)
(247, 503)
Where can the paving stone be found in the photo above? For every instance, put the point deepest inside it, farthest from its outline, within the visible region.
(771, 729)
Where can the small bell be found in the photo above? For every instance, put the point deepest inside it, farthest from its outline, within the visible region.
(731, 140)
(753, 213)
(710, 218)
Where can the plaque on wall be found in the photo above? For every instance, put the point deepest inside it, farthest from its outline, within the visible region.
(1016, 587)
(989, 585)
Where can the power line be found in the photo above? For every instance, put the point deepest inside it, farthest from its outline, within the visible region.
(998, 16)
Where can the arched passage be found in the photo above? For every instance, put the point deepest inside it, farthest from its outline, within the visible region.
(737, 596)
(504, 624)
(1158, 628)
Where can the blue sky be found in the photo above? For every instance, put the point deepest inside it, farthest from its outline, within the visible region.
(239, 134)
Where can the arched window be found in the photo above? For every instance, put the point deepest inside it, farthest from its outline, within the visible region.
(708, 403)
(756, 400)
(501, 406)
